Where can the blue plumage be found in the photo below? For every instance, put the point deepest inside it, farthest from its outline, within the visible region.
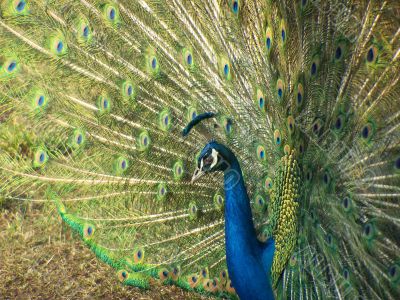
(196, 120)
(249, 261)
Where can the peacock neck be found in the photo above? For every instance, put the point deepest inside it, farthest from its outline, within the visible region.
(237, 209)
(244, 253)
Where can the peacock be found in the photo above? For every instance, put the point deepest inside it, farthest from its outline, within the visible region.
(287, 113)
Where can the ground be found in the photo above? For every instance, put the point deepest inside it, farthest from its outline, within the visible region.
(41, 259)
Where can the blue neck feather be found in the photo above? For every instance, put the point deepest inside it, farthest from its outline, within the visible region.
(249, 261)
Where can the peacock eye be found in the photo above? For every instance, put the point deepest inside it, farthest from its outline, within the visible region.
(12, 65)
(277, 137)
(129, 90)
(338, 123)
(226, 69)
(346, 202)
(368, 231)
(154, 63)
(189, 59)
(313, 68)
(261, 102)
(88, 231)
(372, 54)
(299, 97)
(268, 183)
(397, 163)
(367, 131)
(79, 139)
(235, 6)
(85, 31)
(316, 126)
(144, 140)
(40, 100)
(268, 38)
(392, 271)
(20, 6)
(290, 124)
(338, 52)
(326, 178)
(293, 258)
(268, 43)
(165, 120)
(261, 152)
(60, 46)
(224, 66)
(300, 93)
(111, 13)
(279, 88)
(40, 158)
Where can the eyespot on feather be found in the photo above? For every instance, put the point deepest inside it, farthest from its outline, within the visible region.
(122, 275)
(162, 191)
(138, 255)
(40, 158)
(178, 170)
(144, 141)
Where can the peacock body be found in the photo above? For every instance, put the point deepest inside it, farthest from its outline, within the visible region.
(290, 109)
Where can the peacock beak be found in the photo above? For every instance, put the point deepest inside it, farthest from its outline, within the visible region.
(197, 174)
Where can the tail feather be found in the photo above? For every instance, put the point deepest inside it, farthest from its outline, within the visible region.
(94, 98)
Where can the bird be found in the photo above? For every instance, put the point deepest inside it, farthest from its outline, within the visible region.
(238, 149)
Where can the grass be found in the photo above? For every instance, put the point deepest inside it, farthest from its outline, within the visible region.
(41, 259)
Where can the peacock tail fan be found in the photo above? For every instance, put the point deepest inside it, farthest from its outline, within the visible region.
(94, 96)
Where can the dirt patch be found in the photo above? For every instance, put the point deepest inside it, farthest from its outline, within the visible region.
(41, 259)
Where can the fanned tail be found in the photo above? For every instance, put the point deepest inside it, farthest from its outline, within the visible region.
(94, 97)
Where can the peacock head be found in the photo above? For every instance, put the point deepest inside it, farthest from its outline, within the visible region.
(214, 157)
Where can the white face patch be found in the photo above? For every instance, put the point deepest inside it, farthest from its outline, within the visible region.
(199, 170)
(214, 155)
